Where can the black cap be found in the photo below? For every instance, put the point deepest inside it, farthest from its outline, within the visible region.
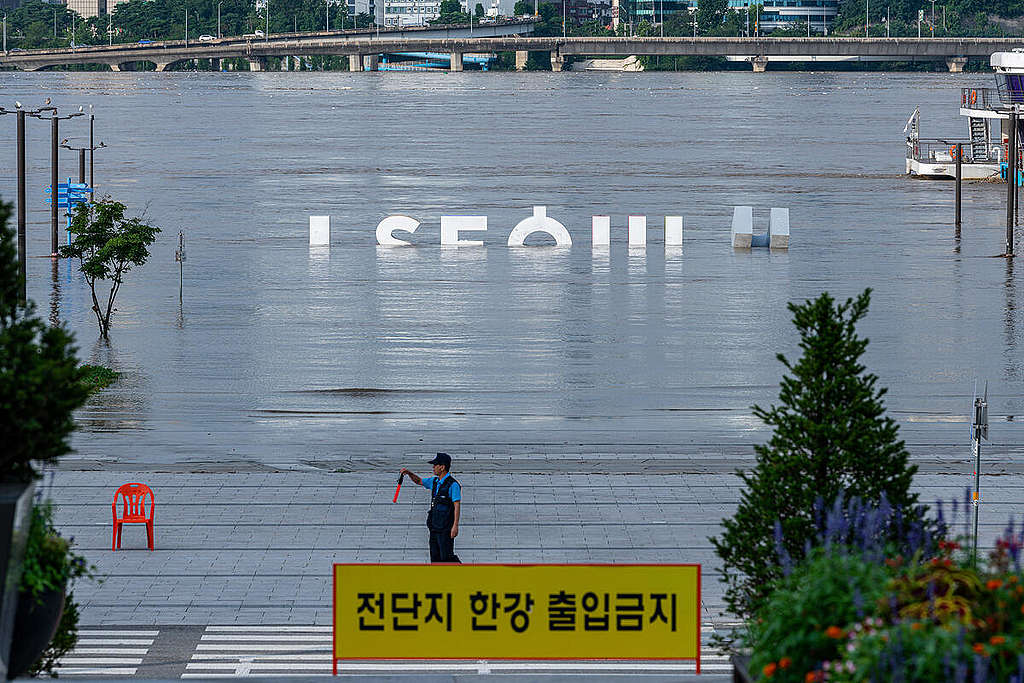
(442, 459)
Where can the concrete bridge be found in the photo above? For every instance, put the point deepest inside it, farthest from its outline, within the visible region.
(363, 48)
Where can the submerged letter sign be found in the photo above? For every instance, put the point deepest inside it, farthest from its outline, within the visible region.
(452, 226)
(415, 611)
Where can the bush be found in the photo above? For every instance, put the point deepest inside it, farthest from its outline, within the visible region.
(52, 564)
(39, 378)
(830, 434)
(924, 614)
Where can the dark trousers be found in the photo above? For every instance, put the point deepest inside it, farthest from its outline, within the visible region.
(442, 546)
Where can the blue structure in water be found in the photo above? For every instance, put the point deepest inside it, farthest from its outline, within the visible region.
(424, 61)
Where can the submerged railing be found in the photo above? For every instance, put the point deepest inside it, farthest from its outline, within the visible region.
(943, 151)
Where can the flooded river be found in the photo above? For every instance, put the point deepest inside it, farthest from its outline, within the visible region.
(288, 356)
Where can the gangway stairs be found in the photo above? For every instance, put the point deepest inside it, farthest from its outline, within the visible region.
(980, 139)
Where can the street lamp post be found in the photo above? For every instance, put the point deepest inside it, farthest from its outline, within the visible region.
(81, 156)
(54, 182)
(218, 19)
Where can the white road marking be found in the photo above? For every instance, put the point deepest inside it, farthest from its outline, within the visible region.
(107, 652)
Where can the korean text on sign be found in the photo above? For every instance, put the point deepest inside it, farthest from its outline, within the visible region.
(517, 611)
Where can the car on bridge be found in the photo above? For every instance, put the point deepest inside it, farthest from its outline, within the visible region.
(145, 41)
(206, 37)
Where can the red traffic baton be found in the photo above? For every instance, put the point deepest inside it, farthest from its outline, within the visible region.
(398, 488)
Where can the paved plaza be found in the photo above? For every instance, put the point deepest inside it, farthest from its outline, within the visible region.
(240, 581)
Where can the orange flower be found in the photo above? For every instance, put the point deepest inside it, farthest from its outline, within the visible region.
(916, 626)
(769, 669)
(785, 662)
(980, 648)
(997, 640)
(1013, 578)
(834, 632)
(994, 584)
(813, 676)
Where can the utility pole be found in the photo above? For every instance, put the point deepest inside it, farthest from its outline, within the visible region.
(1011, 181)
(867, 11)
(887, 18)
(110, 30)
(21, 202)
(218, 20)
(979, 431)
(186, 27)
(5, 32)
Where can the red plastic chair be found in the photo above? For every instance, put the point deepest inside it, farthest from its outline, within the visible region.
(133, 497)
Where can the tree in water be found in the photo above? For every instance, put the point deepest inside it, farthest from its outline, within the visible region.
(107, 245)
(831, 436)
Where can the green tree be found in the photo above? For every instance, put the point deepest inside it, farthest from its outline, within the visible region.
(107, 246)
(479, 10)
(710, 15)
(39, 377)
(523, 8)
(830, 435)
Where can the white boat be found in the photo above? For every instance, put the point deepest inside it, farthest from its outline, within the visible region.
(987, 112)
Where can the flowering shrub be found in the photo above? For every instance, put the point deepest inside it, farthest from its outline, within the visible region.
(852, 614)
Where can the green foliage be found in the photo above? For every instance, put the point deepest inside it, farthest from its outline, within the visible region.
(710, 15)
(107, 245)
(51, 564)
(479, 11)
(800, 624)
(40, 385)
(523, 8)
(96, 377)
(830, 435)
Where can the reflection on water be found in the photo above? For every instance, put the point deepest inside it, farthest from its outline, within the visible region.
(532, 350)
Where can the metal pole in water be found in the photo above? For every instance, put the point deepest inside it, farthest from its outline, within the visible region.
(21, 205)
(53, 184)
(959, 178)
(1011, 181)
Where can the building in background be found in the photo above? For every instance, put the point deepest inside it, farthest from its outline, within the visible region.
(773, 14)
(398, 13)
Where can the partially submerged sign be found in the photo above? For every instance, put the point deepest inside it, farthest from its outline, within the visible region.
(417, 611)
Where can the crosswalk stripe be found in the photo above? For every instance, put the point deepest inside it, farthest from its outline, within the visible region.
(256, 647)
(270, 629)
(284, 638)
(107, 652)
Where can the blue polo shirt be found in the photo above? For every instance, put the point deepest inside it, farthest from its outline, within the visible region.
(455, 490)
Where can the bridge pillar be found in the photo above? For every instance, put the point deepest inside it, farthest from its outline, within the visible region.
(214, 64)
(255, 64)
(372, 61)
(760, 64)
(521, 57)
(956, 64)
(557, 61)
(115, 67)
(162, 66)
(355, 62)
(456, 62)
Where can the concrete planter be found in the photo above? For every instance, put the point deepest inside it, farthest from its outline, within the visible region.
(15, 506)
(740, 672)
(34, 627)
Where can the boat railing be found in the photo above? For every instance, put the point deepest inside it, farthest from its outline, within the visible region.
(980, 98)
(943, 151)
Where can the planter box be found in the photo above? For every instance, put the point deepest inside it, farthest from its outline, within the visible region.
(740, 672)
(15, 507)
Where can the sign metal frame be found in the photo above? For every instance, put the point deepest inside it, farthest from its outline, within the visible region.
(455, 567)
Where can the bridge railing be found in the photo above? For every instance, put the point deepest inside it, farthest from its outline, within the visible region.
(980, 98)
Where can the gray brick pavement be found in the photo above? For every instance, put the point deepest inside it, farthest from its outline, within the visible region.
(257, 548)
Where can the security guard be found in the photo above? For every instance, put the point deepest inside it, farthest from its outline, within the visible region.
(445, 507)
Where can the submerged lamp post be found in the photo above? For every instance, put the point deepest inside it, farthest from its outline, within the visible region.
(81, 157)
(54, 134)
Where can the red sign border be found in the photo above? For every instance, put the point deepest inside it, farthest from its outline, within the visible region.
(334, 611)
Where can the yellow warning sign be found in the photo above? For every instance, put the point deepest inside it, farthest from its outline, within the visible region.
(452, 611)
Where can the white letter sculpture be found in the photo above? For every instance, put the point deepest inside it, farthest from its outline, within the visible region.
(742, 227)
(451, 226)
(539, 222)
(638, 231)
(600, 230)
(319, 231)
(778, 229)
(673, 231)
(387, 227)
